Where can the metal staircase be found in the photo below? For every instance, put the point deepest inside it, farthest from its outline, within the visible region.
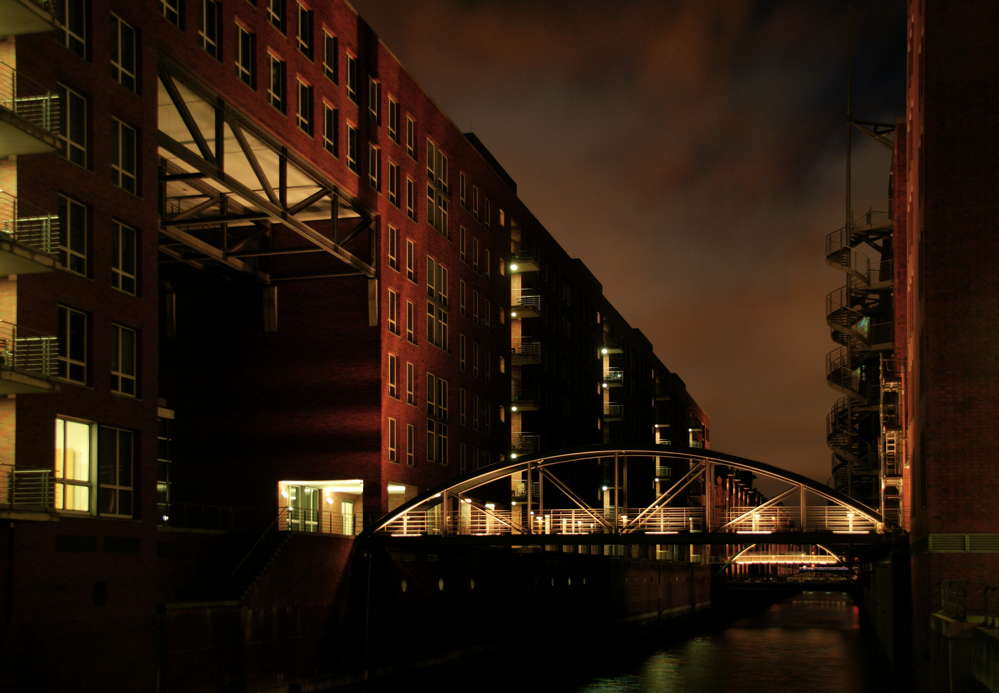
(859, 318)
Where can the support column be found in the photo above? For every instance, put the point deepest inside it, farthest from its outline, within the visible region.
(709, 495)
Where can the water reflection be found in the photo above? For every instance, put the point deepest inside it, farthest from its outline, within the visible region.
(812, 642)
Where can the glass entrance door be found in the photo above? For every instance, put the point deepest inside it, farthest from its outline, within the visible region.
(303, 509)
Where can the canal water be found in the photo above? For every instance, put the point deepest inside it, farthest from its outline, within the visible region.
(812, 642)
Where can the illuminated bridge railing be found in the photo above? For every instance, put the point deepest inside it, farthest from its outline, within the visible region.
(788, 519)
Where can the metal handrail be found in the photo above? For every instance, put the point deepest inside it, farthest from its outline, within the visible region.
(525, 300)
(29, 487)
(28, 99)
(613, 409)
(524, 395)
(528, 349)
(28, 224)
(613, 375)
(25, 349)
(526, 441)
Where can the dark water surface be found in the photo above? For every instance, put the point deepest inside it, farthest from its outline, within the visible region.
(813, 642)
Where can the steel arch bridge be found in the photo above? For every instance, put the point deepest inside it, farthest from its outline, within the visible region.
(539, 500)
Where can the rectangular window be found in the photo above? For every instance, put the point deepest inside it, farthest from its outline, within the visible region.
(487, 416)
(489, 366)
(393, 181)
(124, 155)
(393, 248)
(487, 262)
(374, 167)
(331, 117)
(392, 443)
(475, 412)
(410, 199)
(73, 125)
(73, 236)
(275, 14)
(463, 462)
(410, 261)
(411, 137)
(330, 57)
(475, 359)
(124, 54)
(72, 345)
(489, 213)
(411, 322)
(170, 9)
(487, 310)
(475, 202)
(431, 395)
(462, 299)
(124, 360)
(304, 35)
(462, 352)
(410, 383)
(304, 112)
(115, 451)
(124, 258)
(475, 254)
(393, 376)
(461, 190)
(246, 57)
(209, 28)
(463, 244)
(374, 101)
(393, 312)
(463, 407)
(72, 473)
(276, 82)
(431, 440)
(72, 16)
(352, 78)
(393, 124)
(351, 147)
(410, 445)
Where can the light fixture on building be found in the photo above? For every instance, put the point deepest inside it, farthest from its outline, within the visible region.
(513, 266)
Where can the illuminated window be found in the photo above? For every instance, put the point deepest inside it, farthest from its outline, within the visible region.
(124, 361)
(72, 474)
(124, 258)
(124, 54)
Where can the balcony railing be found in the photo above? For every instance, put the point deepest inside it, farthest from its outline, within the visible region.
(26, 350)
(527, 352)
(27, 224)
(524, 261)
(613, 375)
(28, 99)
(525, 399)
(613, 411)
(526, 442)
(526, 306)
(29, 488)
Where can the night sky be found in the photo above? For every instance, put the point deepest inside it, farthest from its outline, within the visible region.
(693, 155)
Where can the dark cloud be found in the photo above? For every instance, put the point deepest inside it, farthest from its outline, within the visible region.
(708, 140)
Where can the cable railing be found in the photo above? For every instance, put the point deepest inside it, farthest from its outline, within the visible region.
(27, 350)
(526, 300)
(28, 99)
(613, 375)
(526, 442)
(613, 410)
(529, 349)
(321, 522)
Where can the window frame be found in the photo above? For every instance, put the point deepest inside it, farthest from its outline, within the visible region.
(74, 39)
(124, 380)
(374, 100)
(393, 121)
(304, 116)
(119, 486)
(74, 252)
(411, 138)
(62, 482)
(393, 312)
(352, 148)
(276, 11)
(246, 56)
(305, 43)
(393, 376)
(70, 350)
(392, 247)
(393, 183)
(120, 273)
(410, 260)
(411, 322)
(410, 198)
(124, 174)
(124, 74)
(331, 47)
(410, 383)
(351, 77)
(277, 83)
(170, 10)
(331, 126)
(76, 151)
(375, 167)
(210, 28)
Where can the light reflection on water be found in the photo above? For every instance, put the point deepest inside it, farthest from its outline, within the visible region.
(811, 642)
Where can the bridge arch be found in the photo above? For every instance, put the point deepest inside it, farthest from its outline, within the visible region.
(440, 511)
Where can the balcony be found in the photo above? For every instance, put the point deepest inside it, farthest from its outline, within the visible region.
(27, 237)
(26, 17)
(525, 400)
(27, 360)
(664, 473)
(613, 377)
(524, 261)
(612, 346)
(518, 494)
(524, 443)
(527, 353)
(27, 494)
(613, 412)
(525, 306)
(29, 114)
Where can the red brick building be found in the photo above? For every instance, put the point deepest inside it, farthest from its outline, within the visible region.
(256, 278)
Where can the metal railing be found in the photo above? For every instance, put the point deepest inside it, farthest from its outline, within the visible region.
(871, 214)
(28, 99)
(532, 348)
(613, 375)
(526, 396)
(614, 411)
(29, 488)
(26, 350)
(28, 224)
(321, 522)
(526, 442)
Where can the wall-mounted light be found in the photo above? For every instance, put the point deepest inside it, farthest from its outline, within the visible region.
(513, 266)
